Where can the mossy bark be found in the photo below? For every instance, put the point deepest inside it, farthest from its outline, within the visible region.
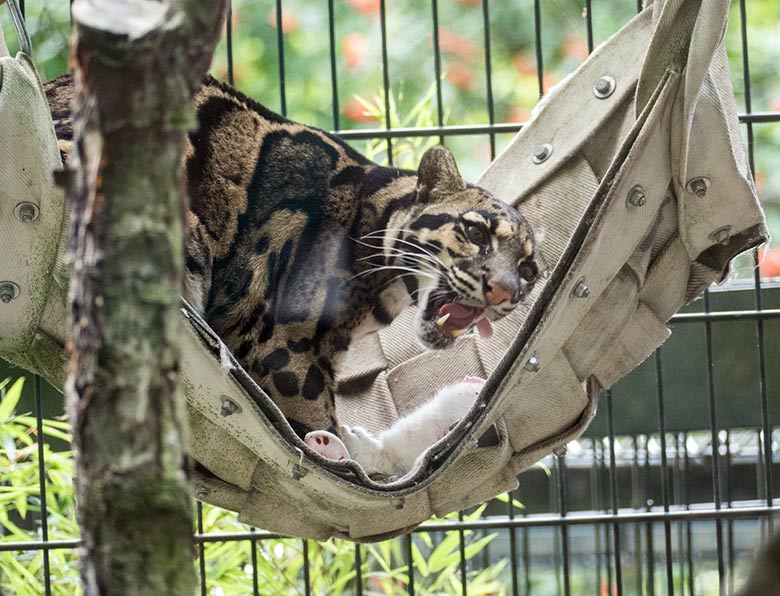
(136, 65)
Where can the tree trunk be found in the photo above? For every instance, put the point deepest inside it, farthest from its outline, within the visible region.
(136, 66)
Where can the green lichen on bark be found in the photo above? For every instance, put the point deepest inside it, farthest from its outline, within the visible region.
(137, 64)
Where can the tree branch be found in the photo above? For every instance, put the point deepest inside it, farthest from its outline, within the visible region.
(136, 65)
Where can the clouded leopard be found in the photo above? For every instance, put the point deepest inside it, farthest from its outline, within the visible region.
(298, 245)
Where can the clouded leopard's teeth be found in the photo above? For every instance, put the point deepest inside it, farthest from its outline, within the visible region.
(442, 319)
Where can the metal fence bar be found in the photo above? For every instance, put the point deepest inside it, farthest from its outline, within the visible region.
(437, 66)
(306, 569)
(650, 542)
(729, 523)
(762, 385)
(253, 554)
(358, 571)
(333, 70)
(664, 471)
(42, 481)
(280, 57)
(688, 527)
(201, 548)
(491, 109)
(595, 504)
(560, 466)
(538, 45)
(636, 494)
(613, 490)
(409, 564)
(589, 24)
(386, 78)
(462, 546)
(510, 512)
(713, 420)
(229, 42)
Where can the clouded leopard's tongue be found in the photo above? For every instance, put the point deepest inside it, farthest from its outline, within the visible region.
(455, 318)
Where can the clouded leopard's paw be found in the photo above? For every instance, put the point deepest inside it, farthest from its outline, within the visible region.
(327, 445)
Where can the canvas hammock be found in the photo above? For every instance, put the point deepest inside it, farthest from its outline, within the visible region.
(634, 166)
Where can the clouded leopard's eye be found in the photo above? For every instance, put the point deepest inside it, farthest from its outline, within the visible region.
(476, 234)
(528, 272)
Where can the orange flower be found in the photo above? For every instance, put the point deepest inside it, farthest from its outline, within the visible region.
(517, 113)
(455, 44)
(365, 6)
(354, 46)
(355, 111)
(524, 63)
(289, 22)
(769, 262)
(460, 75)
(575, 47)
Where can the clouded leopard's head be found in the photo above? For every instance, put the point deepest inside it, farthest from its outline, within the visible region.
(473, 256)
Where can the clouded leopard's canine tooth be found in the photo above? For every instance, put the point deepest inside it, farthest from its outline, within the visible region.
(442, 319)
(457, 332)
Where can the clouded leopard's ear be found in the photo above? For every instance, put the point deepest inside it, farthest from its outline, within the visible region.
(437, 174)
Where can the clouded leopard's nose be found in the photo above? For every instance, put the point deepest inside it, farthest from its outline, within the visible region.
(498, 293)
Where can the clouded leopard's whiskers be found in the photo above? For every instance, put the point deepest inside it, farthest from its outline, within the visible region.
(390, 268)
(417, 245)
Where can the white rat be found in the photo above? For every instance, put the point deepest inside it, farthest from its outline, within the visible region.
(398, 447)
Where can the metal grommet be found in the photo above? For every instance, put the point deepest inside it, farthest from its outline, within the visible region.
(636, 197)
(229, 407)
(604, 87)
(698, 186)
(399, 502)
(201, 494)
(542, 153)
(581, 289)
(546, 274)
(532, 364)
(721, 235)
(27, 212)
(8, 291)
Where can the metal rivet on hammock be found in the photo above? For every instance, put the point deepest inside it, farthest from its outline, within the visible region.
(581, 289)
(542, 153)
(8, 291)
(721, 235)
(533, 364)
(636, 197)
(399, 503)
(27, 212)
(698, 186)
(604, 87)
(229, 407)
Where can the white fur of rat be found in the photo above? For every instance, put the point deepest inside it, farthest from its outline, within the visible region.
(396, 449)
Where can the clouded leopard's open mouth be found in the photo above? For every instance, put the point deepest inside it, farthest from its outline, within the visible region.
(455, 319)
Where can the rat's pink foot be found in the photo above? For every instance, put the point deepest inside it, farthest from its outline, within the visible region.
(474, 380)
(326, 444)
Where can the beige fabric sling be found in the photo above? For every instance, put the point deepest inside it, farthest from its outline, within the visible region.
(634, 167)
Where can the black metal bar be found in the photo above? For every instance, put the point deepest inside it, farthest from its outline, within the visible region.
(492, 523)
(730, 523)
(280, 53)
(595, 504)
(333, 71)
(510, 511)
(306, 569)
(489, 77)
(688, 525)
(255, 579)
(714, 440)
(604, 506)
(589, 24)
(409, 564)
(538, 44)
(664, 471)
(762, 385)
(636, 504)
(650, 542)
(386, 78)
(526, 534)
(470, 129)
(229, 35)
(437, 67)
(42, 481)
(358, 571)
(560, 466)
(677, 489)
(614, 494)
(462, 543)
(202, 548)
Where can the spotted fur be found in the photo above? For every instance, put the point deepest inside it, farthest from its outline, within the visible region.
(298, 245)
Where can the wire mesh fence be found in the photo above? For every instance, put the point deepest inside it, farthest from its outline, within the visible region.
(669, 492)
